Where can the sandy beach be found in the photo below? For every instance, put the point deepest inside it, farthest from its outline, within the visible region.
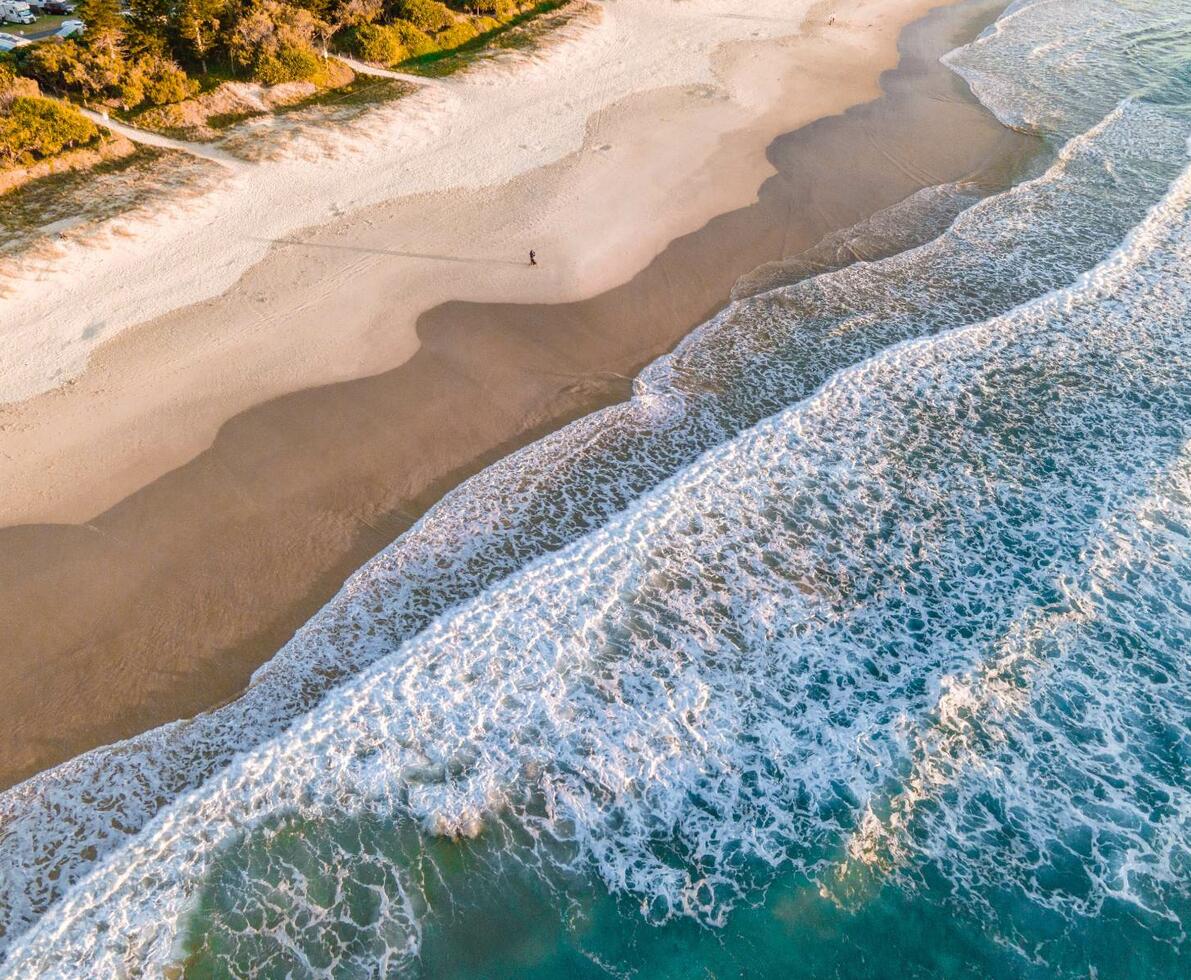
(683, 97)
(189, 485)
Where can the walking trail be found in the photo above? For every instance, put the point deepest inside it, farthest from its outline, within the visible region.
(148, 138)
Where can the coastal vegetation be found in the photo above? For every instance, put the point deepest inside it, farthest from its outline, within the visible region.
(168, 64)
(163, 51)
(34, 128)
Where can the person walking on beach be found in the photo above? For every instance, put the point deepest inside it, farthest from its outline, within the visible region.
(533, 257)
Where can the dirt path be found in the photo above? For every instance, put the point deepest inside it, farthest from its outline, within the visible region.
(363, 68)
(203, 150)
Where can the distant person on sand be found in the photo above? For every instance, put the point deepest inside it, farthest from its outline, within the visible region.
(533, 257)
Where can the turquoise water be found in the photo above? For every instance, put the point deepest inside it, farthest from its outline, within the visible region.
(854, 645)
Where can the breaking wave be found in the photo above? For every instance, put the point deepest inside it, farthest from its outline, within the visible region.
(878, 585)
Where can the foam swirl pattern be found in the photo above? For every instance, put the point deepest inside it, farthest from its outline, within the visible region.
(874, 596)
(620, 710)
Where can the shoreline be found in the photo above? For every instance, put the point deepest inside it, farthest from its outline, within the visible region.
(339, 299)
(185, 586)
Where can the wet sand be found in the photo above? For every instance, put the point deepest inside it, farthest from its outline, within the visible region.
(164, 604)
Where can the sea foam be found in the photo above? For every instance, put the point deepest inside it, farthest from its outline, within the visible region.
(747, 659)
(536, 501)
(819, 646)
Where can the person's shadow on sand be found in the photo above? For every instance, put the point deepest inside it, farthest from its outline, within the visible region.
(385, 251)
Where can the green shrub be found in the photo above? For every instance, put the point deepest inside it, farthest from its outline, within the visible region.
(165, 82)
(502, 10)
(417, 42)
(455, 35)
(380, 45)
(426, 15)
(94, 72)
(105, 73)
(290, 64)
(57, 64)
(276, 41)
(35, 128)
(129, 90)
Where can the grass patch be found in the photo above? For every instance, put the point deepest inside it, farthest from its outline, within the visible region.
(50, 22)
(224, 120)
(56, 196)
(512, 35)
(363, 90)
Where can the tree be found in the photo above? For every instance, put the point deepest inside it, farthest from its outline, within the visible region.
(103, 20)
(319, 8)
(150, 23)
(102, 65)
(355, 13)
(198, 24)
(276, 41)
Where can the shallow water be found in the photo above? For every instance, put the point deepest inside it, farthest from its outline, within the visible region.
(854, 644)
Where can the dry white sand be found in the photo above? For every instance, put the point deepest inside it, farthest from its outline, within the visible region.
(642, 121)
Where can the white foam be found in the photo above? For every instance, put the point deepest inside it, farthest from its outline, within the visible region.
(1060, 65)
(1073, 728)
(810, 576)
(548, 495)
(741, 662)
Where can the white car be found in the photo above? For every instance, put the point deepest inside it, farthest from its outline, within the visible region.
(69, 28)
(10, 41)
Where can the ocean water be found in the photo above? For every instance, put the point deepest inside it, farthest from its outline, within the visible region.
(854, 644)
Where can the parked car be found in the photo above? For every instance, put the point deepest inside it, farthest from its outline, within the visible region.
(8, 42)
(69, 28)
(58, 7)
